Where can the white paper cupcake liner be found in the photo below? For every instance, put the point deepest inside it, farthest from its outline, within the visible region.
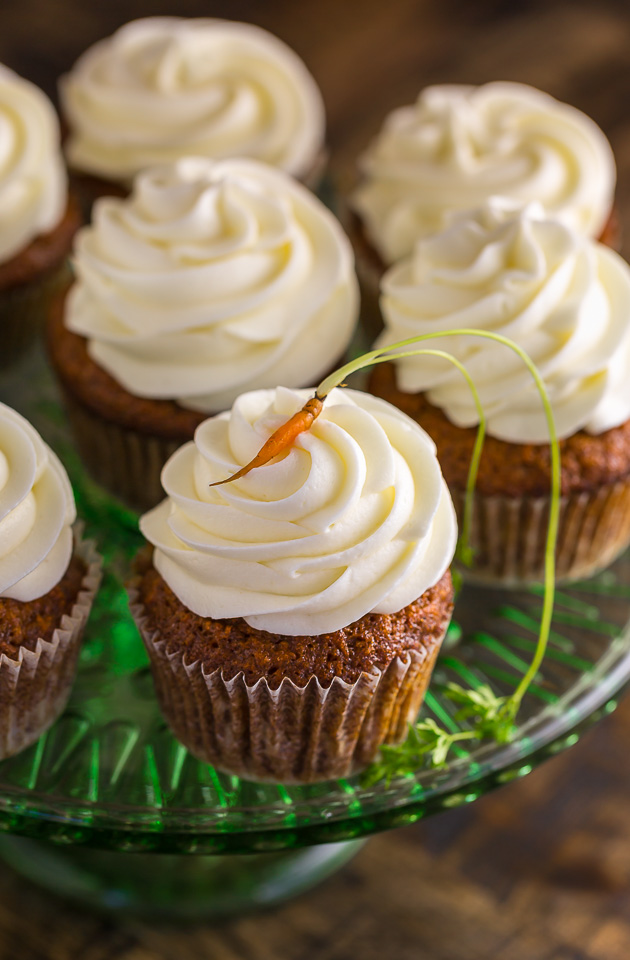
(291, 734)
(508, 534)
(34, 689)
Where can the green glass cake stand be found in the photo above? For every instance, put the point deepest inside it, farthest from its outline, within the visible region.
(109, 809)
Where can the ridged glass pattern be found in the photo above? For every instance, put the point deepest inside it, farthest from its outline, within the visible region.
(110, 774)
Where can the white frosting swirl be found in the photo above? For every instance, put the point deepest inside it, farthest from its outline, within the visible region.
(36, 511)
(213, 278)
(165, 87)
(356, 518)
(33, 188)
(561, 297)
(458, 145)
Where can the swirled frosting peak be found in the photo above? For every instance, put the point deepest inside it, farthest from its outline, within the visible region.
(165, 87)
(36, 511)
(563, 298)
(355, 518)
(33, 189)
(213, 278)
(457, 145)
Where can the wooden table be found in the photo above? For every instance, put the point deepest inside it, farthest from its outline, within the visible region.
(541, 869)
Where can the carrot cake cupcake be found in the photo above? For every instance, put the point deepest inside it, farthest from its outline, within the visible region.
(37, 218)
(166, 87)
(458, 145)
(48, 579)
(293, 616)
(211, 278)
(565, 300)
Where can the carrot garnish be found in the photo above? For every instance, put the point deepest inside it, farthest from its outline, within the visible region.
(282, 438)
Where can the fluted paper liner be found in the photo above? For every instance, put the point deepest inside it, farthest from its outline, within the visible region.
(126, 462)
(22, 312)
(291, 734)
(508, 534)
(34, 689)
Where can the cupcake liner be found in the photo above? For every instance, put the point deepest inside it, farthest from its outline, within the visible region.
(126, 462)
(23, 309)
(509, 533)
(291, 734)
(34, 689)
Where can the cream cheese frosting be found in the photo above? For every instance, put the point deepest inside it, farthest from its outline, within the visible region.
(36, 511)
(33, 185)
(212, 278)
(563, 298)
(457, 145)
(165, 87)
(356, 518)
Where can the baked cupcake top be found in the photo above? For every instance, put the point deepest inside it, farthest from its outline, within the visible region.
(213, 277)
(165, 87)
(563, 298)
(457, 145)
(36, 511)
(33, 187)
(356, 518)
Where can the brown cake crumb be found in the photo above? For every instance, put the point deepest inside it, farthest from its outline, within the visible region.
(22, 623)
(611, 232)
(511, 469)
(371, 642)
(44, 253)
(90, 188)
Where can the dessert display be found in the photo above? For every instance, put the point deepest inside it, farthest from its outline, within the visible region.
(564, 299)
(295, 589)
(293, 612)
(48, 578)
(210, 279)
(37, 217)
(166, 87)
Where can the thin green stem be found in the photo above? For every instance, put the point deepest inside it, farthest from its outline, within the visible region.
(391, 353)
(473, 469)
(464, 735)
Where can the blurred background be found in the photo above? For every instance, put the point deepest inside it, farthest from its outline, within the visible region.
(541, 869)
(369, 56)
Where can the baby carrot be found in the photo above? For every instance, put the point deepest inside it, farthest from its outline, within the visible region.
(282, 438)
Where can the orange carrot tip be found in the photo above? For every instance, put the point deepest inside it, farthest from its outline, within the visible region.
(282, 438)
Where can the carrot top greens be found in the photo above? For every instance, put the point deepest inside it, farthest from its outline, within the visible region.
(488, 715)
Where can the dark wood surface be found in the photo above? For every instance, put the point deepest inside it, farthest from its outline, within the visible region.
(539, 870)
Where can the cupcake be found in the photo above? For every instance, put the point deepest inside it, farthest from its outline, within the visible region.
(210, 279)
(565, 300)
(458, 145)
(37, 218)
(293, 617)
(48, 578)
(166, 87)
